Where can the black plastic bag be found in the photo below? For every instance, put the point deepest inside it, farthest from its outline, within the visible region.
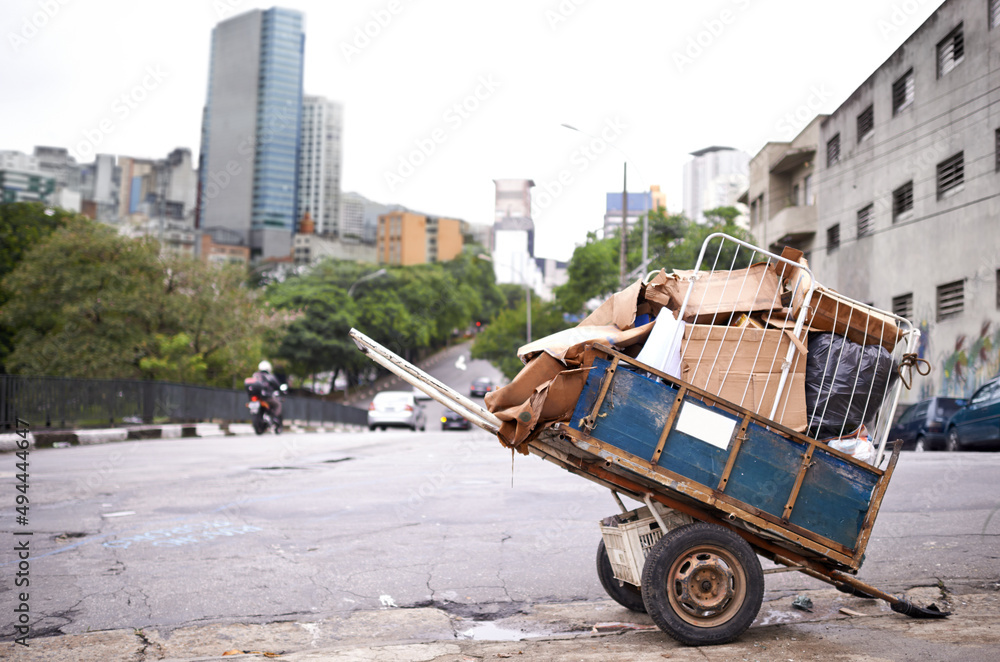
(845, 384)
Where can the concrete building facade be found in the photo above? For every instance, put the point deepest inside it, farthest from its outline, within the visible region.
(782, 193)
(715, 177)
(908, 194)
(21, 180)
(406, 237)
(319, 164)
(251, 127)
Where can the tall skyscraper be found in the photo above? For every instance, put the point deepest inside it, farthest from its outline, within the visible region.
(319, 165)
(250, 129)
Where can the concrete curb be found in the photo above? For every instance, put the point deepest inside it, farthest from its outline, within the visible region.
(64, 438)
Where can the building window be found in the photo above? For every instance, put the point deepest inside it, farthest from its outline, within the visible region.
(866, 123)
(903, 306)
(950, 300)
(807, 182)
(950, 175)
(833, 150)
(832, 238)
(795, 195)
(902, 92)
(865, 220)
(994, 14)
(950, 51)
(902, 202)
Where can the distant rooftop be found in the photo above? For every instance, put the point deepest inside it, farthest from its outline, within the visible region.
(714, 148)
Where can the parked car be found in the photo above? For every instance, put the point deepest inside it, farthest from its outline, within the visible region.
(922, 427)
(396, 409)
(454, 421)
(481, 387)
(977, 424)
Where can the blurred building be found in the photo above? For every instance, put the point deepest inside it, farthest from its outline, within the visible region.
(319, 164)
(21, 179)
(639, 203)
(251, 127)
(513, 238)
(222, 246)
(782, 191)
(406, 237)
(359, 217)
(905, 189)
(715, 177)
(309, 247)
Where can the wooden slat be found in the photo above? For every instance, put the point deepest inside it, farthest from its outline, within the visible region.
(799, 477)
(876, 504)
(678, 401)
(737, 509)
(609, 376)
(735, 444)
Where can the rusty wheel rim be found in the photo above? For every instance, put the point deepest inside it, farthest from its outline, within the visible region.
(706, 586)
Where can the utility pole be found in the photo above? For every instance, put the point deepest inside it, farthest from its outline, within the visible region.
(622, 266)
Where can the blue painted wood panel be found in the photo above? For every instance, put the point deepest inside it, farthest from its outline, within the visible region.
(835, 494)
(765, 469)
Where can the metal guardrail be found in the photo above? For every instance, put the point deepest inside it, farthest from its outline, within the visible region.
(62, 403)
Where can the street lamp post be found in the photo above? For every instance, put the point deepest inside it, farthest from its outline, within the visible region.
(374, 274)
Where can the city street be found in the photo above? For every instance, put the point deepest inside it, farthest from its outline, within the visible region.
(174, 536)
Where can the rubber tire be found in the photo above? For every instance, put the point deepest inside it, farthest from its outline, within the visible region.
(674, 545)
(920, 445)
(623, 593)
(259, 426)
(953, 443)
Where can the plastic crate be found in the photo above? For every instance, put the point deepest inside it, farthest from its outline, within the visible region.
(628, 543)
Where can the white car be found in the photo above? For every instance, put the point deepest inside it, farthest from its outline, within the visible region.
(396, 409)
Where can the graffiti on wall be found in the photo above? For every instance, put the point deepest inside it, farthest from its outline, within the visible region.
(972, 362)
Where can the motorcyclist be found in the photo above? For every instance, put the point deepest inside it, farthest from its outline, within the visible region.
(265, 376)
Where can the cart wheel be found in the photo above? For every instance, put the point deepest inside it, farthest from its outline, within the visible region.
(702, 584)
(623, 593)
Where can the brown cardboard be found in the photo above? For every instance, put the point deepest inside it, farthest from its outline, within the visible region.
(716, 295)
(618, 310)
(743, 366)
(865, 326)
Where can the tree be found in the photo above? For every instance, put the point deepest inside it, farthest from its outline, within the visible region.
(593, 271)
(22, 225)
(500, 340)
(87, 302)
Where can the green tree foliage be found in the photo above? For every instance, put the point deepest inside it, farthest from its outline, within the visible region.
(593, 272)
(22, 225)
(86, 302)
(500, 340)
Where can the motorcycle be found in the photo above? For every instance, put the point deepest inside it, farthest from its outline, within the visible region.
(260, 405)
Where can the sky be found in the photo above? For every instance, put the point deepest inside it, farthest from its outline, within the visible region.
(443, 96)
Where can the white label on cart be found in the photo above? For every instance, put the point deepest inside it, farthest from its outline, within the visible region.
(704, 424)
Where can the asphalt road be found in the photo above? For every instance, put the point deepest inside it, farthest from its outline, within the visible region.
(256, 529)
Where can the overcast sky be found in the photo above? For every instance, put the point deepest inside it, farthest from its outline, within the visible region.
(443, 96)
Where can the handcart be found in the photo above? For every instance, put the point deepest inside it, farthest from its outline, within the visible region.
(721, 451)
